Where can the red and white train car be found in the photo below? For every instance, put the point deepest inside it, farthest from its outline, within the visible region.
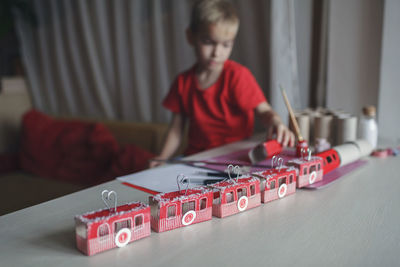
(180, 208)
(235, 195)
(309, 170)
(277, 183)
(109, 228)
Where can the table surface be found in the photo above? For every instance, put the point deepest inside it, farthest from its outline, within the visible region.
(352, 222)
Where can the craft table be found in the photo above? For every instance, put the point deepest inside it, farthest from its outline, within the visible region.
(352, 222)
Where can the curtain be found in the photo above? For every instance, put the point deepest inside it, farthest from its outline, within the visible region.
(117, 59)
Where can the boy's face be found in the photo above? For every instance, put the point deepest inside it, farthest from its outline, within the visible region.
(213, 44)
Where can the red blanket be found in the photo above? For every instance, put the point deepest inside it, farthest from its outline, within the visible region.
(75, 151)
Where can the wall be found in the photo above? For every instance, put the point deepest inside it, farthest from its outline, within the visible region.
(354, 49)
(389, 91)
(303, 19)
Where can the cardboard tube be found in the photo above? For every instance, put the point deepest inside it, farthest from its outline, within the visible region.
(348, 153)
(346, 129)
(322, 126)
(303, 120)
(364, 147)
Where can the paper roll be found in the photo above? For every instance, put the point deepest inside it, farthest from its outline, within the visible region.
(346, 128)
(312, 114)
(348, 153)
(322, 127)
(303, 120)
(364, 147)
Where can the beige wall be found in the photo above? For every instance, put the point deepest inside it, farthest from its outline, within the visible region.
(389, 87)
(354, 49)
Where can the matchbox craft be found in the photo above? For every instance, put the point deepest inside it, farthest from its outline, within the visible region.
(310, 169)
(277, 182)
(180, 208)
(234, 195)
(111, 227)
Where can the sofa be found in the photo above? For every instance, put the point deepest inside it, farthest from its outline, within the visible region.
(42, 156)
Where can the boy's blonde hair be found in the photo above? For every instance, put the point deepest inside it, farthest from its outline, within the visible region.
(206, 12)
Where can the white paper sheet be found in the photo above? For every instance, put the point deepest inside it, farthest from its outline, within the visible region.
(163, 178)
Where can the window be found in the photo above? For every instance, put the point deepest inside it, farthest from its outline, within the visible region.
(334, 157)
(188, 206)
(252, 190)
(328, 159)
(103, 230)
(217, 198)
(171, 211)
(312, 169)
(291, 179)
(139, 221)
(203, 203)
(121, 225)
(272, 185)
(229, 197)
(282, 181)
(241, 192)
(305, 170)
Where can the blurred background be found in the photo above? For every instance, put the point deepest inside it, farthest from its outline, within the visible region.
(117, 59)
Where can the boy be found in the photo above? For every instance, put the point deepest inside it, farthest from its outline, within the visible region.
(217, 95)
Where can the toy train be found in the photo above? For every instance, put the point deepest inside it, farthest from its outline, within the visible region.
(116, 227)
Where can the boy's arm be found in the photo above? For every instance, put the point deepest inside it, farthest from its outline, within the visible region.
(273, 124)
(172, 140)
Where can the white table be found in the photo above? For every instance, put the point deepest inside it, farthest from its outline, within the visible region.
(352, 222)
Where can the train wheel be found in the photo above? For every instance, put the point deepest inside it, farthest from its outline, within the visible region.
(189, 217)
(123, 237)
(312, 177)
(282, 190)
(242, 203)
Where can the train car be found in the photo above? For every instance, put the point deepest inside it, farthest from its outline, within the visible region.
(277, 183)
(331, 160)
(180, 208)
(109, 228)
(235, 195)
(310, 170)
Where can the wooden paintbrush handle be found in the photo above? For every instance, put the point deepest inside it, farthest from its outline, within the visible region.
(292, 117)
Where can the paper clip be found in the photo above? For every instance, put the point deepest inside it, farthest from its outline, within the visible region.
(280, 165)
(180, 180)
(309, 154)
(106, 196)
(274, 158)
(234, 170)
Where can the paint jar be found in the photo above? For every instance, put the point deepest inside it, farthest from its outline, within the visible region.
(367, 127)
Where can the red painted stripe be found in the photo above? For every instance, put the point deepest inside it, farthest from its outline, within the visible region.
(141, 188)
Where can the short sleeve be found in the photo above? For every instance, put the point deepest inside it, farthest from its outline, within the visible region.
(173, 100)
(247, 93)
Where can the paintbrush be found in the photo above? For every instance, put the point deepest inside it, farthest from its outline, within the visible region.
(301, 143)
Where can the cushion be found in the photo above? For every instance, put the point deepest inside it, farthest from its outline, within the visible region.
(75, 151)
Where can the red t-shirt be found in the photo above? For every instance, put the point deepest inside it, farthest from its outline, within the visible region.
(220, 114)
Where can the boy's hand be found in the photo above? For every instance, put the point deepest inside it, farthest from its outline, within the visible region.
(274, 126)
(283, 134)
(154, 162)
